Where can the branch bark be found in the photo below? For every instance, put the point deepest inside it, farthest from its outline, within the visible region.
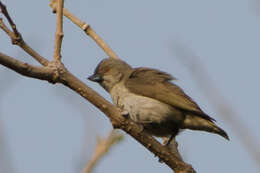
(25, 69)
(59, 31)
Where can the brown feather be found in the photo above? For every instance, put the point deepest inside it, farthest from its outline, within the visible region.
(156, 84)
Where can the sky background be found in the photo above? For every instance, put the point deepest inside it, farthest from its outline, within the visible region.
(49, 128)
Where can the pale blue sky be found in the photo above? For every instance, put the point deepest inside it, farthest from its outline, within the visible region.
(48, 128)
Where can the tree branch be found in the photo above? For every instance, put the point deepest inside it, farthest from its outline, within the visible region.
(59, 33)
(62, 75)
(17, 39)
(25, 69)
(10, 21)
(87, 29)
(102, 147)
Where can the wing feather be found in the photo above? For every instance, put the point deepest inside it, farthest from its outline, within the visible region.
(156, 84)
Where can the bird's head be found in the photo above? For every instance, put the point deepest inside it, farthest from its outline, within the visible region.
(110, 72)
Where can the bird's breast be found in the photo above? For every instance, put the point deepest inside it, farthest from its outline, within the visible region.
(143, 109)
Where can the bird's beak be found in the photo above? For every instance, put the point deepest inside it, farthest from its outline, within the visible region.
(95, 78)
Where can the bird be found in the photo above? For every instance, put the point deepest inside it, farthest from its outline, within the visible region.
(151, 99)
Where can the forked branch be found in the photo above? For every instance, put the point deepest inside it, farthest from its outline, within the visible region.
(87, 29)
(16, 37)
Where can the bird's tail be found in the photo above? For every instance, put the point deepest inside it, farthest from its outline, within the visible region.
(194, 122)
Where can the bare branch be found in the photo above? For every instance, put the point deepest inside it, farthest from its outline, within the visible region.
(43, 61)
(56, 72)
(7, 30)
(10, 21)
(17, 39)
(173, 147)
(102, 147)
(88, 30)
(59, 32)
(25, 69)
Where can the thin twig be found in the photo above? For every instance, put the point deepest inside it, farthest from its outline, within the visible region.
(59, 32)
(6, 29)
(10, 21)
(87, 29)
(102, 147)
(17, 39)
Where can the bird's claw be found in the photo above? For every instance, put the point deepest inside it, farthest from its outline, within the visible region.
(125, 113)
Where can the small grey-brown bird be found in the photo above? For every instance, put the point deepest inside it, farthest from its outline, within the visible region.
(151, 100)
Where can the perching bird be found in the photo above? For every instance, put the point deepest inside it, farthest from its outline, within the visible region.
(151, 100)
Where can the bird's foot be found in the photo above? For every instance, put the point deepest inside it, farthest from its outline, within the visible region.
(167, 141)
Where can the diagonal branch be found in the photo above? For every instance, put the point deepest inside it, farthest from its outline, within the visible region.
(56, 72)
(102, 147)
(17, 39)
(7, 30)
(9, 19)
(59, 32)
(87, 29)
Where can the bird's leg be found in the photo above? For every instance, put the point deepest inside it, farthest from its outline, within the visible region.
(168, 141)
(172, 145)
(125, 113)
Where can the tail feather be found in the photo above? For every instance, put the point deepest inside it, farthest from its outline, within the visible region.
(220, 132)
(198, 123)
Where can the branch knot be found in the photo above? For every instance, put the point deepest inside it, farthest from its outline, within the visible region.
(58, 68)
(85, 26)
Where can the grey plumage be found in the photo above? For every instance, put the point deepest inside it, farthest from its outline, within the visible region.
(151, 99)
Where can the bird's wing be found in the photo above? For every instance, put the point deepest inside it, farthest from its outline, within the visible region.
(156, 84)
